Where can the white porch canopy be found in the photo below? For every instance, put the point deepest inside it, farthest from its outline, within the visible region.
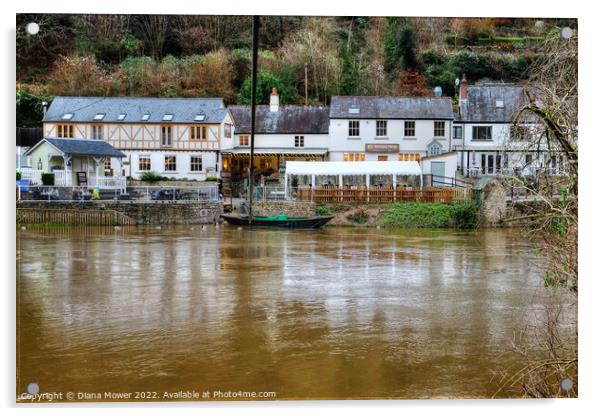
(353, 168)
(340, 169)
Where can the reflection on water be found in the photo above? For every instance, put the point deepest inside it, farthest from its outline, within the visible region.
(334, 313)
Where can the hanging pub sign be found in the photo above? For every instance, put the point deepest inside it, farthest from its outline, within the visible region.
(382, 148)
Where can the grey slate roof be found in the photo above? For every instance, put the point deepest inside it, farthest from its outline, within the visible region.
(480, 107)
(184, 110)
(391, 108)
(85, 147)
(287, 120)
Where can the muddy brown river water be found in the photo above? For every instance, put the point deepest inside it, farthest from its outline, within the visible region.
(326, 314)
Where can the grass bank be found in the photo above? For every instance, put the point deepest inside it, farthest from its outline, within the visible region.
(403, 215)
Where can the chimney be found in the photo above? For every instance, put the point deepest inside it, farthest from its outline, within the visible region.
(463, 93)
(274, 100)
(44, 108)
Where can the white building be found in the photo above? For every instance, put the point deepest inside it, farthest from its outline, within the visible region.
(174, 137)
(389, 128)
(282, 133)
(484, 136)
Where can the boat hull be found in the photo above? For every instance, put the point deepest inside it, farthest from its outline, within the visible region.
(296, 223)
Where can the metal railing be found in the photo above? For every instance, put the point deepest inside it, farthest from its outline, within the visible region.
(61, 178)
(180, 194)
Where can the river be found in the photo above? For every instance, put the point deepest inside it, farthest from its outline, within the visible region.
(324, 314)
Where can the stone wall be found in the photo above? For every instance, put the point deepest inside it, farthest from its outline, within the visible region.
(292, 209)
(156, 213)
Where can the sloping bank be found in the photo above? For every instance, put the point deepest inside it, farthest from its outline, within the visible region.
(404, 215)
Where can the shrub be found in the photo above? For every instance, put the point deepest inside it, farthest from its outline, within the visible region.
(18, 175)
(152, 177)
(211, 179)
(430, 215)
(464, 215)
(48, 179)
(323, 210)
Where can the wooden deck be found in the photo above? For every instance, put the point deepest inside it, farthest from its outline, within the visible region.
(382, 194)
(72, 216)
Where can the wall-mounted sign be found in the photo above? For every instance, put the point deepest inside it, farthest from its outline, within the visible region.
(382, 148)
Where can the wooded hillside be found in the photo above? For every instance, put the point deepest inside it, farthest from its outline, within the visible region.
(154, 55)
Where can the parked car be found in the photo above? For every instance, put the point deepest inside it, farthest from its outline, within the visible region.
(167, 195)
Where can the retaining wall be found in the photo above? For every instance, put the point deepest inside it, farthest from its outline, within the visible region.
(167, 212)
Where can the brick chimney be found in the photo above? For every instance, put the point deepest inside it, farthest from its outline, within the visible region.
(463, 92)
(274, 100)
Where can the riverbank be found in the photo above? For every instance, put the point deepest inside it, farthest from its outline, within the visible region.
(403, 215)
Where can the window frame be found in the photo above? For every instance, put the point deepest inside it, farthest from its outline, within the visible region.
(475, 129)
(409, 125)
(456, 128)
(439, 127)
(175, 165)
(350, 128)
(146, 158)
(60, 131)
(381, 130)
(354, 156)
(247, 140)
(299, 141)
(199, 163)
(97, 128)
(166, 128)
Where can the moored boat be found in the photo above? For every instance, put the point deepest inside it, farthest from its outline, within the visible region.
(280, 221)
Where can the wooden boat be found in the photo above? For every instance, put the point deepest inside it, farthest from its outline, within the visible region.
(280, 221)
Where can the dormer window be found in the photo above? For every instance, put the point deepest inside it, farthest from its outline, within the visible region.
(499, 103)
(121, 116)
(145, 117)
(168, 117)
(199, 117)
(67, 116)
(99, 116)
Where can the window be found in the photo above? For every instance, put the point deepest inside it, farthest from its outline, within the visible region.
(243, 140)
(227, 130)
(354, 128)
(520, 132)
(354, 111)
(381, 128)
(121, 116)
(481, 133)
(99, 116)
(97, 132)
(64, 130)
(499, 103)
(108, 164)
(168, 117)
(299, 141)
(170, 163)
(354, 157)
(528, 158)
(165, 135)
(196, 132)
(199, 117)
(434, 148)
(457, 132)
(407, 157)
(439, 128)
(67, 116)
(145, 117)
(144, 163)
(196, 163)
(409, 129)
(383, 158)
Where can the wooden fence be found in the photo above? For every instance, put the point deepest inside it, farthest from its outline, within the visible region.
(73, 217)
(382, 194)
